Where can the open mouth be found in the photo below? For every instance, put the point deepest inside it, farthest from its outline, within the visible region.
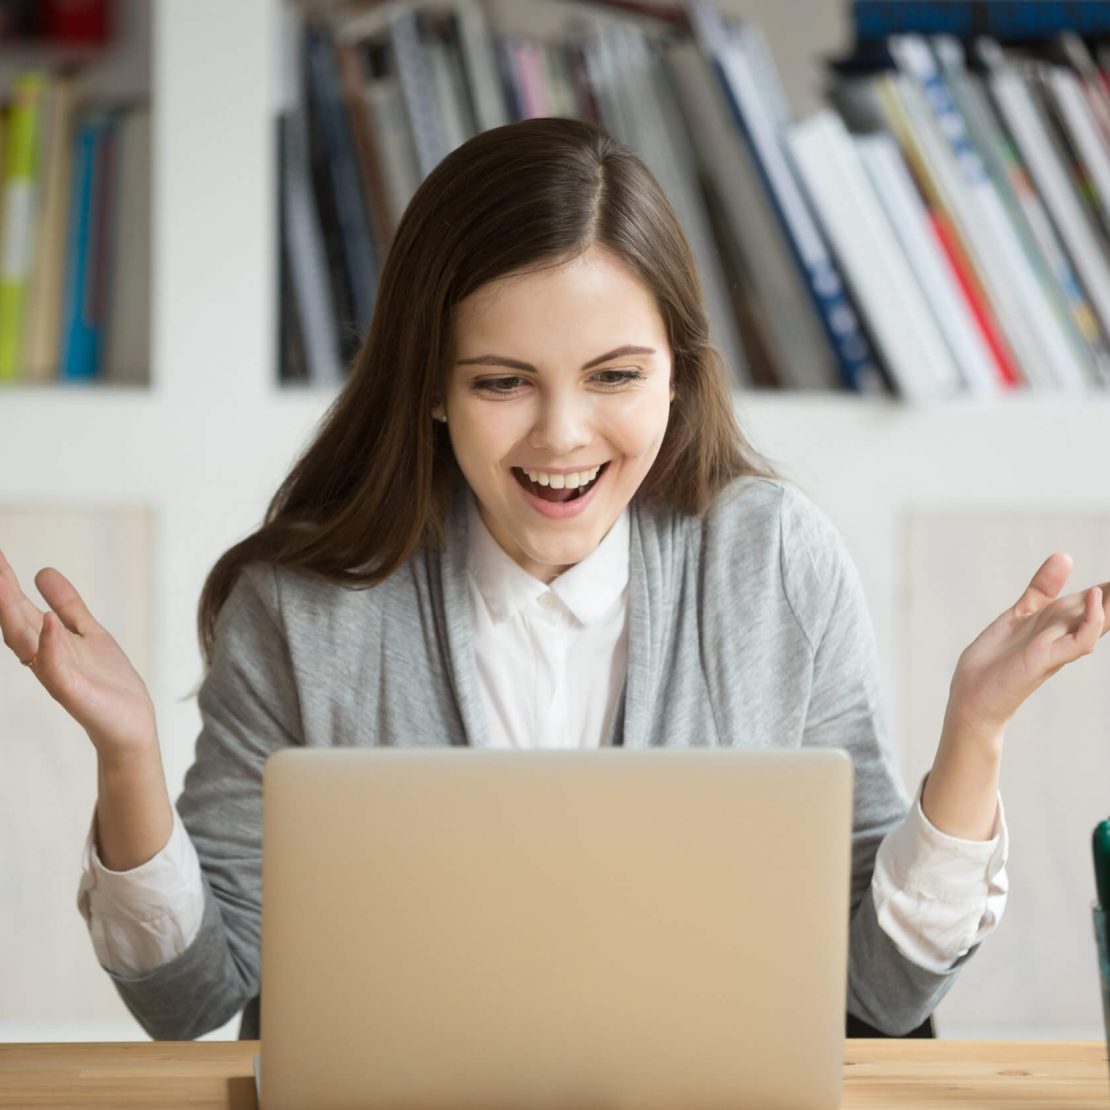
(546, 493)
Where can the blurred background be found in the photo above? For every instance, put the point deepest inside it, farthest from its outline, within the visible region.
(901, 216)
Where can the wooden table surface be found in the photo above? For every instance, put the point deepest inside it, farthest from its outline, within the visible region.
(891, 1074)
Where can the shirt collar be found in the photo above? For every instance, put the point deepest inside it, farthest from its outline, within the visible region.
(589, 589)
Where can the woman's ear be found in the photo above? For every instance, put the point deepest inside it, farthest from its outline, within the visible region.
(438, 413)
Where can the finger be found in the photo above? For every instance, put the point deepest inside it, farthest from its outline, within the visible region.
(31, 612)
(18, 634)
(65, 601)
(1105, 588)
(1045, 585)
(1083, 639)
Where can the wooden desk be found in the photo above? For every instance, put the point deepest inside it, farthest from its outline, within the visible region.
(1032, 1075)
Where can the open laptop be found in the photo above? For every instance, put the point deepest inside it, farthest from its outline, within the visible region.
(606, 928)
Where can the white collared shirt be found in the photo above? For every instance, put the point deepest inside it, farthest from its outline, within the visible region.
(551, 659)
(551, 665)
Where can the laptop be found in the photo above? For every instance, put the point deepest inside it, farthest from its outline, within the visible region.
(536, 929)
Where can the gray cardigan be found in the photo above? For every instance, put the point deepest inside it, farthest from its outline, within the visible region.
(747, 627)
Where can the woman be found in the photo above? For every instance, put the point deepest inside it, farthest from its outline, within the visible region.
(529, 519)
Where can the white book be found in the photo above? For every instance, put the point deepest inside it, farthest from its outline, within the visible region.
(1023, 121)
(1071, 99)
(1050, 360)
(872, 260)
(908, 216)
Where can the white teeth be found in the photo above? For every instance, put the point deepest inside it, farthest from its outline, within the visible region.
(563, 481)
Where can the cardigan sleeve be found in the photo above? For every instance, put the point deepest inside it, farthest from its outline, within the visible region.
(885, 988)
(249, 709)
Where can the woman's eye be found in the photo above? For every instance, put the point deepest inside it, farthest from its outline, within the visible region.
(620, 376)
(607, 378)
(498, 385)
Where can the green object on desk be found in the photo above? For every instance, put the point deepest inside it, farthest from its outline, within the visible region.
(1100, 845)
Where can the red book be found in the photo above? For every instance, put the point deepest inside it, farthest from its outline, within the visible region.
(75, 21)
(1004, 361)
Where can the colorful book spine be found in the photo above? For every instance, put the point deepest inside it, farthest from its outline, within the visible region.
(81, 329)
(19, 219)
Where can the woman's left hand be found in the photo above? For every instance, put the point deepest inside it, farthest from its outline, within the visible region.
(1029, 642)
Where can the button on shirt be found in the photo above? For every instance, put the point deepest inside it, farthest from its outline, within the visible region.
(551, 666)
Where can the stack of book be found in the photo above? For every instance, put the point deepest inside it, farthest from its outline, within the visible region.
(965, 187)
(375, 98)
(74, 235)
(943, 228)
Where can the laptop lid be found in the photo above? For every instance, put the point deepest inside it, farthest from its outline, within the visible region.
(617, 927)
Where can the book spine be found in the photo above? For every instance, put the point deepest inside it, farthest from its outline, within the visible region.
(859, 370)
(77, 346)
(1011, 21)
(19, 218)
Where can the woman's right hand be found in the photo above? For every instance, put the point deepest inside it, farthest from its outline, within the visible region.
(78, 663)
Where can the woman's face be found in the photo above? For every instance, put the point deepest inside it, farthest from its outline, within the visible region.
(541, 384)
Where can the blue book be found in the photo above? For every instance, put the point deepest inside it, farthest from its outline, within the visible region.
(1008, 20)
(82, 317)
(356, 240)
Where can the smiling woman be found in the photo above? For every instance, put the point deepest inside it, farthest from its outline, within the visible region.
(529, 520)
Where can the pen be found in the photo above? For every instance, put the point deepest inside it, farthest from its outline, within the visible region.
(1100, 844)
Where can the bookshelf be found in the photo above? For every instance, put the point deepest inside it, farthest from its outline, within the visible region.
(205, 444)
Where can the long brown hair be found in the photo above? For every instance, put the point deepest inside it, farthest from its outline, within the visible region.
(376, 481)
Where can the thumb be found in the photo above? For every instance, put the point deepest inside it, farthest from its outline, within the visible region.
(1045, 585)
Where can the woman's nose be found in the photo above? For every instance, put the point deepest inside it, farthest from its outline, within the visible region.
(562, 425)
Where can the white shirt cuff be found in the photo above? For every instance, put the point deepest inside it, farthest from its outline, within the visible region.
(937, 896)
(142, 918)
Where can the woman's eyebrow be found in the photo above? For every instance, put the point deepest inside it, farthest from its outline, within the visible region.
(516, 364)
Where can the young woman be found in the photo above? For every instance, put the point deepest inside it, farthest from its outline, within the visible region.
(529, 519)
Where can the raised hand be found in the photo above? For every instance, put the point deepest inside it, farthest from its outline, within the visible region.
(1032, 640)
(78, 663)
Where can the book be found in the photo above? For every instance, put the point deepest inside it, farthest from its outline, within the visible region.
(912, 225)
(1050, 360)
(338, 175)
(1024, 206)
(127, 283)
(1010, 20)
(898, 316)
(19, 187)
(774, 300)
(82, 313)
(858, 368)
(44, 299)
(306, 291)
(1024, 123)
